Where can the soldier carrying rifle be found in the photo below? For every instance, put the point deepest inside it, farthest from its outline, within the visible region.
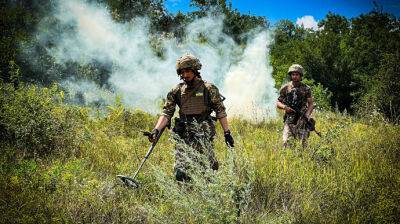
(296, 100)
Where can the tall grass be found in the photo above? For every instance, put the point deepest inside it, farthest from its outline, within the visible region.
(350, 175)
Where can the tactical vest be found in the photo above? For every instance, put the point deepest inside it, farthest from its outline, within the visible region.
(194, 101)
(296, 99)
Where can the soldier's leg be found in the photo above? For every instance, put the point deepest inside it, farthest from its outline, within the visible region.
(288, 132)
(188, 155)
(304, 134)
(180, 168)
(212, 158)
(206, 155)
(304, 142)
(208, 133)
(285, 135)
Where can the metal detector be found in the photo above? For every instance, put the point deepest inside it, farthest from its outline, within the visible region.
(130, 181)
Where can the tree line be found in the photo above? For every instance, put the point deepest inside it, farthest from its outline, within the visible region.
(353, 64)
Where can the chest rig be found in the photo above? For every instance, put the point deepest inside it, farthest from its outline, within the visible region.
(296, 98)
(194, 101)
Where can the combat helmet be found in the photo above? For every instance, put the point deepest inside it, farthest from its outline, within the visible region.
(296, 68)
(187, 61)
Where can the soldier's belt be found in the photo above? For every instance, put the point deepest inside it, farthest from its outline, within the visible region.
(195, 117)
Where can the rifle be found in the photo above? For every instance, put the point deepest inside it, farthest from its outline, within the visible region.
(310, 123)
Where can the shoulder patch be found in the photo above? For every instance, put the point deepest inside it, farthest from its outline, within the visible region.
(208, 85)
(178, 87)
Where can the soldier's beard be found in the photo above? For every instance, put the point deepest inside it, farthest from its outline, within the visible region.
(296, 81)
(189, 83)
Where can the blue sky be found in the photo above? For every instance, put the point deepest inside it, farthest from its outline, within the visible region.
(275, 10)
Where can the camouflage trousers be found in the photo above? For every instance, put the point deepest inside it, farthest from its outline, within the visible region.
(297, 131)
(194, 149)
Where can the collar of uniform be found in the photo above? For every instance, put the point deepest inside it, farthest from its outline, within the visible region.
(196, 83)
(293, 85)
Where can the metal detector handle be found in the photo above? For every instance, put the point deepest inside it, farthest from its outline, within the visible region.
(148, 152)
(154, 143)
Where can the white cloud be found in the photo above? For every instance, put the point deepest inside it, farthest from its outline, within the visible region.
(307, 22)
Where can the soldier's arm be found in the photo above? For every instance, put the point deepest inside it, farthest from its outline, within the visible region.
(279, 102)
(224, 123)
(218, 106)
(310, 103)
(284, 107)
(168, 110)
(310, 107)
(216, 102)
(280, 105)
(162, 122)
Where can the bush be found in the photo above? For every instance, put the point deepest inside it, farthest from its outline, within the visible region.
(350, 175)
(37, 122)
(322, 96)
(383, 93)
(209, 196)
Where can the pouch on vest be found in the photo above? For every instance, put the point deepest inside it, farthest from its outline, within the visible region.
(179, 127)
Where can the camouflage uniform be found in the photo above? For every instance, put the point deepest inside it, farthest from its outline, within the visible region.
(296, 98)
(196, 128)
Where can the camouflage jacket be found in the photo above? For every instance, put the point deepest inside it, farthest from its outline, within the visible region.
(296, 98)
(200, 99)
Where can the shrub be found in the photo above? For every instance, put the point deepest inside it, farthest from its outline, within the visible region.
(36, 121)
(322, 96)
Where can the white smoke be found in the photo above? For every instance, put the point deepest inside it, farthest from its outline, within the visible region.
(142, 78)
(89, 92)
(249, 84)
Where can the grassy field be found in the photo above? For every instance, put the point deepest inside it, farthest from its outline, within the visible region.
(58, 164)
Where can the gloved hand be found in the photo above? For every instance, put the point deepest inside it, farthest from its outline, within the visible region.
(152, 135)
(229, 139)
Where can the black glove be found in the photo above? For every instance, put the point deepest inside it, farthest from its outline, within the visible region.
(228, 138)
(152, 135)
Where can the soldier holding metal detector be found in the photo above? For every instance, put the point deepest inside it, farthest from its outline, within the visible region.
(296, 100)
(196, 100)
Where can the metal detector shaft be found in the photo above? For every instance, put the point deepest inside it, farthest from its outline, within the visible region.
(148, 153)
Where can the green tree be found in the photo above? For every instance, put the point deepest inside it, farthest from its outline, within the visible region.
(373, 36)
(235, 23)
(320, 53)
(327, 64)
(17, 21)
(123, 11)
(384, 93)
(288, 48)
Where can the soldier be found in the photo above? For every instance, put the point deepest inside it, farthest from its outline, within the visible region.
(296, 100)
(196, 100)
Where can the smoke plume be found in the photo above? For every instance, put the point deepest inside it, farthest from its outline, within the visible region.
(142, 78)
